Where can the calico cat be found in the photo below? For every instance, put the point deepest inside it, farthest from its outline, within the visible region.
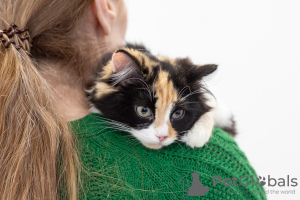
(157, 99)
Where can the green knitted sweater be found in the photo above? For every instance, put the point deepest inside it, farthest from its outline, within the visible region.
(116, 166)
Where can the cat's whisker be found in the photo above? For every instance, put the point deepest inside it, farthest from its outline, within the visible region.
(192, 93)
(118, 124)
(115, 126)
(187, 103)
(107, 119)
(148, 89)
(100, 131)
(113, 121)
(121, 127)
(207, 91)
(183, 90)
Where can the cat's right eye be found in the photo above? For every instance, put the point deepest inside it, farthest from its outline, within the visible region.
(178, 114)
(143, 111)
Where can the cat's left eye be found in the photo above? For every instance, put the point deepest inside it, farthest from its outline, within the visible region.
(143, 111)
(178, 114)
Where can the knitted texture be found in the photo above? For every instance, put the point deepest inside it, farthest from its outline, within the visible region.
(117, 166)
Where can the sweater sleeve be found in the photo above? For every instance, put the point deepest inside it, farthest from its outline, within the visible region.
(116, 166)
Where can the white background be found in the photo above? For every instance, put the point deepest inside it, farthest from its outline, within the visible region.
(256, 44)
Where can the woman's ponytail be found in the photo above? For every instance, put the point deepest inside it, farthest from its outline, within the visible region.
(37, 153)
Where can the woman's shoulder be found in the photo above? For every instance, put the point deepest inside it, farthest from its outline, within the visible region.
(116, 165)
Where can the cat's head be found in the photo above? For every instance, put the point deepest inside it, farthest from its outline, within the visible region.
(156, 99)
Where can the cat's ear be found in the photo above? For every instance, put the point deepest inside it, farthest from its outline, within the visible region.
(122, 60)
(204, 70)
(197, 72)
(125, 68)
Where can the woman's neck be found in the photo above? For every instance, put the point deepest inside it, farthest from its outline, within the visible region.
(68, 90)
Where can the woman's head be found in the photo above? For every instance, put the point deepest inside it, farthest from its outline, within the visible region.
(69, 30)
(37, 151)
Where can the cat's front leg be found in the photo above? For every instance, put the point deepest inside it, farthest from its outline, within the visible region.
(200, 132)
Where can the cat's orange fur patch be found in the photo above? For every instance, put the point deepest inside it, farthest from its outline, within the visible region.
(166, 95)
(165, 59)
(143, 60)
(103, 89)
(172, 133)
(107, 70)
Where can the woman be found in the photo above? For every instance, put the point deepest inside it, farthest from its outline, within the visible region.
(43, 71)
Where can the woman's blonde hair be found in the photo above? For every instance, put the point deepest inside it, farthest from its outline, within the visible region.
(37, 153)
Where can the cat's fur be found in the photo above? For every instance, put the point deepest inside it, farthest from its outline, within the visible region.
(132, 81)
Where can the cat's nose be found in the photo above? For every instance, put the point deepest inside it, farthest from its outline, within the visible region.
(161, 138)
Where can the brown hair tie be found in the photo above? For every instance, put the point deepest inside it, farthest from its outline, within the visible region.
(7, 37)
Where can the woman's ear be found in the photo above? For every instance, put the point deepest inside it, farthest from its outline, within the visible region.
(105, 13)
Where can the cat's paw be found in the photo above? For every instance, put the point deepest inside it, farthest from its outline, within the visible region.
(200, 132)
(196, 139)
